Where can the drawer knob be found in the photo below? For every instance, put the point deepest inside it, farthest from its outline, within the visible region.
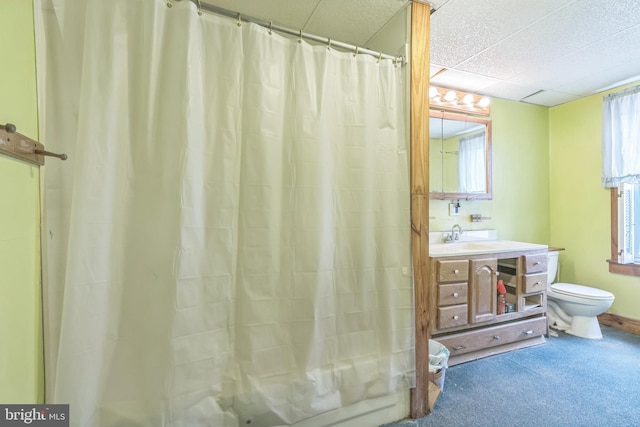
(455, 317)
(528, 332)
(536, 263)
(459, 347)
(538, 283)
(455, 295)
(456, 271)
(496, 337)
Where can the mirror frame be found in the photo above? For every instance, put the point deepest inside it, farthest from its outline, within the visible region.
(467, 118)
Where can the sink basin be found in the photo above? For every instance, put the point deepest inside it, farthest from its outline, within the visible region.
(479, 247)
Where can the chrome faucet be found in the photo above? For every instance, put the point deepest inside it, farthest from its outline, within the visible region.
(455, 235)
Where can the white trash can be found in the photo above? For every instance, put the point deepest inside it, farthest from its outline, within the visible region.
(438, 358)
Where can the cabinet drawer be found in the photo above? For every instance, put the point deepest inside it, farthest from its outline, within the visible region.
(467, 342)
(455, 315)
(452, 293)
(453, 270)
(534, 282)
(535, 263)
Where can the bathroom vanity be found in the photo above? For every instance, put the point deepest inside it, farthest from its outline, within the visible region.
(464, 314)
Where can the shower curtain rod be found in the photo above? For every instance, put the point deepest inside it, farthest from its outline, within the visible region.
(272, 27)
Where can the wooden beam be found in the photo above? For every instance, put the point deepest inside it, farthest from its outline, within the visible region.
(419, 60)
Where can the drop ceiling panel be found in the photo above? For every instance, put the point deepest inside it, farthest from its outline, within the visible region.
(541, 42)
(458, 79)
(392, 38)
(461, 29)
(598, 82)
(571, 72)
(435, 69)
(353, 21)
(509, 91)
(549, 98)
(290, 14)
(561, 72)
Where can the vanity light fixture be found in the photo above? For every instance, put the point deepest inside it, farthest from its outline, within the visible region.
(458, 101)
(484, 102)
(451, 96)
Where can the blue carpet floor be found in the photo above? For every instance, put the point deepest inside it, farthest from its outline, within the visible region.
(567, 382)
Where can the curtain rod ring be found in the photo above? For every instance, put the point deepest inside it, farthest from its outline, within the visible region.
(239, 20)
(300, 37)
(329, 44)
(199, 8)
(355, 52)
(379, 57)
(270, 27)
(169, 4)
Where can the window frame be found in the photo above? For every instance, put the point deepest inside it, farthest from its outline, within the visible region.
(614, 265)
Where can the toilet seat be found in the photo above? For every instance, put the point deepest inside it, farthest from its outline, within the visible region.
(579, 291)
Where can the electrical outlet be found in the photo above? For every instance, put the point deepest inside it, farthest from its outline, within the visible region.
(454, 209)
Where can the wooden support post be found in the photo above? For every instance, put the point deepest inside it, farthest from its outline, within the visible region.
(419, 60)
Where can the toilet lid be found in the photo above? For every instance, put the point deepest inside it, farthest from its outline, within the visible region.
(580, 291)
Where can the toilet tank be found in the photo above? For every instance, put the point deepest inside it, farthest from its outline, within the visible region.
(552, 266)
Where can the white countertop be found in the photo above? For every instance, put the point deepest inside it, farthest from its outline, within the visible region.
(480, 247)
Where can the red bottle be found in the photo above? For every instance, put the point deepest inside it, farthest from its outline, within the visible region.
(502, 298)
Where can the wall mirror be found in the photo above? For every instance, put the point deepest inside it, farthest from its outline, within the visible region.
(459, 156)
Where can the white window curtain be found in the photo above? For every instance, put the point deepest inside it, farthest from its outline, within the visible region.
(621, 138)
(472, 163)
(229, 240)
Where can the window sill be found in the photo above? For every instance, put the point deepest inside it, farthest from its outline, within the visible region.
(626, 269)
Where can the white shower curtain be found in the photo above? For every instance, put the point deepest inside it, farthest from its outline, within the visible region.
(229, 241)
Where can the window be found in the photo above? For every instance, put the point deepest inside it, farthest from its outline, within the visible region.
(625, 229)
(621, 173)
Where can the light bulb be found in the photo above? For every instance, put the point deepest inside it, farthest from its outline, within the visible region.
(433, 92)
(450, 96)
(468, 99)
(484, 102)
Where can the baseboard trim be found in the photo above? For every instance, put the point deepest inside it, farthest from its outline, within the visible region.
(625, 324)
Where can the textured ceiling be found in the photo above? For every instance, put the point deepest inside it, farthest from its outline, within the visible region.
(546, 52)
(351, 21)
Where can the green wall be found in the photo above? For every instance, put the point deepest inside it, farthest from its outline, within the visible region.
(580, 206)
(21, 372)
(519, 209)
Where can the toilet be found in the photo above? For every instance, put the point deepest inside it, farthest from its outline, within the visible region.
(573, 308)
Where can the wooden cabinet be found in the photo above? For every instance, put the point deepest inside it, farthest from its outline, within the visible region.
(452, 285)
(463, 312)
(482, 287)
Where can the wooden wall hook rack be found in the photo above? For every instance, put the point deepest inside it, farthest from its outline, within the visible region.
(24, 148)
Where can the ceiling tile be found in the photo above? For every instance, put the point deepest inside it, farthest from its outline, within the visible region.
(392, 37)
(550, 98)
(461, 80)
(594, 63)
(354, 21)
(571, 28)
(461, 29)
(290, 14)
(509, 91)
(606, 79)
